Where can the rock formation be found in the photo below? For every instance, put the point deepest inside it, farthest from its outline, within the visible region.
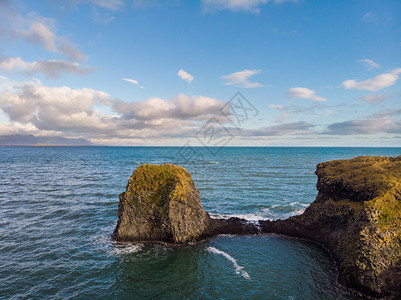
(357, 216)
(161, 203)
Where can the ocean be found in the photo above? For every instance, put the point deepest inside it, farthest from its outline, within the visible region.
(58, 209)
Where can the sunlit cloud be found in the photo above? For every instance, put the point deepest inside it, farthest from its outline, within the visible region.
(50, 68)
(374, 84)
(304, 93)
(133, 81)
(185, 76)
(36, 30)
(369, 63)
(241, 79)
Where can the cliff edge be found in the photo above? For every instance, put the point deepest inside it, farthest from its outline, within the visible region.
(357, 216)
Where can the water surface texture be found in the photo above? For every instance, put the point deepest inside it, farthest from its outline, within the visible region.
(59, 208)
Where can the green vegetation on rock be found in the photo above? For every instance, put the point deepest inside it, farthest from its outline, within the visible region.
(161, 203)
(357, 215)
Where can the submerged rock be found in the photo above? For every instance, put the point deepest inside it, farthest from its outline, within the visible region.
(161, 203)
(357, 216)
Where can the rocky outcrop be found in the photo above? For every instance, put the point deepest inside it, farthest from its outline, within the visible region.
(161, 203)
(357, 216)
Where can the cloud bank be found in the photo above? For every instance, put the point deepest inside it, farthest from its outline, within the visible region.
(50, 68)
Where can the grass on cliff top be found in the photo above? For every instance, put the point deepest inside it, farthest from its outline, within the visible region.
(160, 183)
(379, 177)
(364, 177)
(389, 207)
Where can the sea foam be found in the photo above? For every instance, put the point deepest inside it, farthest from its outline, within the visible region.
(238, 269)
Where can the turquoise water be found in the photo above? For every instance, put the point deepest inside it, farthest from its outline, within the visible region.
(59, 208)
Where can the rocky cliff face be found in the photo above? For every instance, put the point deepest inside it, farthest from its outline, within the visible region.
(161, 203)
(357, 216)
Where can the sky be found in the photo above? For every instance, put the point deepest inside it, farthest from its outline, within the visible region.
(207, 72)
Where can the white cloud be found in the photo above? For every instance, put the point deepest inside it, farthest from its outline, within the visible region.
(53, 108)
(62, 111)
(304, 93)
(185, 76)
(370, 64)
(106, 4)
(39, 33)
(234, 5)
(36, 30)
(252, 6)
(297, 128)
(51, 68)
(240, 79)
(276, 106)
(133, 81)
(180, 107)
(71, 52)
(375, 84)
(368, 126)
(385, 121)
(374, 98)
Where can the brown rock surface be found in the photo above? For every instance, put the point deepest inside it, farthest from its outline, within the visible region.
(357, 216)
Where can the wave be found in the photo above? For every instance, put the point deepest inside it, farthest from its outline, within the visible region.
(299, 203)
(264, 214)
(238, 269)
(122, 249)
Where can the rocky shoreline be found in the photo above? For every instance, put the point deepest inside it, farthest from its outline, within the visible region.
(356, 216)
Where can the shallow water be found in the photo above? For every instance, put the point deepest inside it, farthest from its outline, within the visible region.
(59, 207)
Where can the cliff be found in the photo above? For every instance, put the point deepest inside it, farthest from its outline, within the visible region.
(357, 216)
(161, 203)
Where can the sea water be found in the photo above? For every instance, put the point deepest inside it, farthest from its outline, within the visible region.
(58, 208)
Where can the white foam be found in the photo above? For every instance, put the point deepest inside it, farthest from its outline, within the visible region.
(248, 217)
(264, 214)
(238, 269)
(122, 249)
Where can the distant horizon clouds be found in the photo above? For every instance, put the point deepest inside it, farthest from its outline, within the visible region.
(120, 72)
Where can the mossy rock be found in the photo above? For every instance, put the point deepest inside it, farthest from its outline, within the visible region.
(357, 216)
(161, 203)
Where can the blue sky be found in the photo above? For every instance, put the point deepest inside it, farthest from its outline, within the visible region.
(316, 73)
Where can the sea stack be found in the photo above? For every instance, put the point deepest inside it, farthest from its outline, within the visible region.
(357, 216)
(161, 203)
